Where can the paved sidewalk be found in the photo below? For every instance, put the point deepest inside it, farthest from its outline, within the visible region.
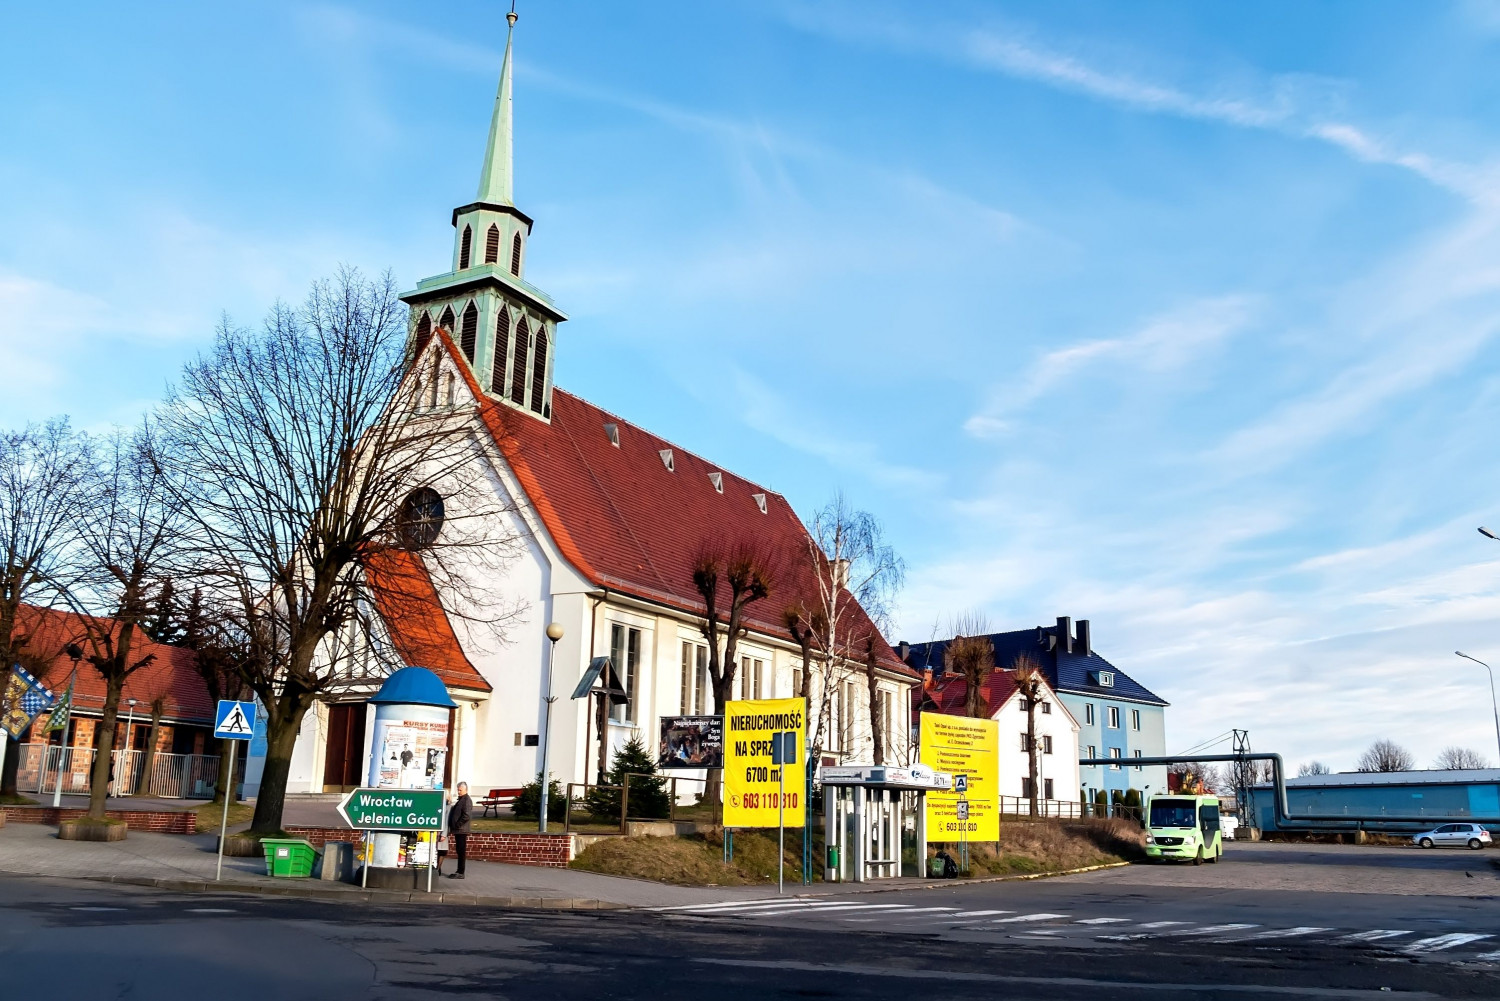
(33, 850)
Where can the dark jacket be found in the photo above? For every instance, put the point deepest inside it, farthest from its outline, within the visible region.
(459, 815)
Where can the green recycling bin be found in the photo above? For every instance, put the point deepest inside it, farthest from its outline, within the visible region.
(833, 857)
(935, 867)
(288, 857)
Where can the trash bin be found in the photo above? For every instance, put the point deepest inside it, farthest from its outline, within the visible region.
(288, 856)
(833, 857)
(935, 867)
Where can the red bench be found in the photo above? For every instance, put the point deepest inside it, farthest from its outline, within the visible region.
(498, 798)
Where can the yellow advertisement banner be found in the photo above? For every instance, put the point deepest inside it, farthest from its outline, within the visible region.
(752, 785)
(961, 745)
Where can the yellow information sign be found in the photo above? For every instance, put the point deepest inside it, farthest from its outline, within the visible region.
(961, 745)
(752, 785)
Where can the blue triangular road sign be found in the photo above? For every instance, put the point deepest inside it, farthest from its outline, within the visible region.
(235, 720)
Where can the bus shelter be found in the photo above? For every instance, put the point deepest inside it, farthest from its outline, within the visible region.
(875, 820)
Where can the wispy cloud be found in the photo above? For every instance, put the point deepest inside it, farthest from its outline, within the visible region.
(1292, 104)
(1165, 344)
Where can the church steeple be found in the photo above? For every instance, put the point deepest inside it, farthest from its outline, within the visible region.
(505, 328)
(495, 178)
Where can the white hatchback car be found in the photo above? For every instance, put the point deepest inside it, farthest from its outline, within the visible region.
(1453, 835)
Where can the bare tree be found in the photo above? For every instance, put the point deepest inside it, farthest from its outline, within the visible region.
(129, 538)
(1313, 768)
(1460, 758)
(43, 469)
(1030, 686)
(327, 478)
(1198, 776)
(158, 705)
(1386, 756)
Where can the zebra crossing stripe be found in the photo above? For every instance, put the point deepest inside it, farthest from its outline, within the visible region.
(1028, 917)
(1440, 942)
(726, 906)
(846, 908)
(1211, 929)
(1102, 921)
(1289, 932)
(1376, 934)
(1488, 957)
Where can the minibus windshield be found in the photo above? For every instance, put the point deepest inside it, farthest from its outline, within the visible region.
(1174, 813)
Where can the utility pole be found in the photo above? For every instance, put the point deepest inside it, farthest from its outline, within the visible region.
(1243, 779)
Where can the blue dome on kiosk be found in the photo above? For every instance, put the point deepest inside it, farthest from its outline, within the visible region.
(413, 686)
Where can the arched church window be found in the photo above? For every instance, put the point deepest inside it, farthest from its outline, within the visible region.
(539, 370)
(468, 339)
(492, 245)
(515, 255)
(420, 519)
(424, 326)
(446, 321)
(502, 348)
(463, 248)
(518, 369)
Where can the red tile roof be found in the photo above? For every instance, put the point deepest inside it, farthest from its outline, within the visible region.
(629, 524)
(419, 629)
(949, 691)
(170, 673)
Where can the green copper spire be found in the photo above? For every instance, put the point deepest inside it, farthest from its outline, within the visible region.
(495, 179)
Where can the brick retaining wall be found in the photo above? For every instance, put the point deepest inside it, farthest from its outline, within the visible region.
(518, 849)
(154, 821)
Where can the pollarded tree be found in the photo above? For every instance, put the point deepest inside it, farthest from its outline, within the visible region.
(1386, 756)
(1030, 686)
(327, 479)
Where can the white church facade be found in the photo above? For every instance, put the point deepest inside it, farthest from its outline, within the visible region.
(606, 523)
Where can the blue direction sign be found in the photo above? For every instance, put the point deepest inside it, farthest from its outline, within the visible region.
(235, 720)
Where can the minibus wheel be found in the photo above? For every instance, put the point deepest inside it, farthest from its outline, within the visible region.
(1199, 859)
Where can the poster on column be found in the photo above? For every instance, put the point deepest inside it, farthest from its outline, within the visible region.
(752, 785)
(961, 745)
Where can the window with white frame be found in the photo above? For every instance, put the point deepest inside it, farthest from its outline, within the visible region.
(1025, 787)
(694, 688)
(1114, 752)
(887, 718)
(796, 682)
(1135, 719)
(1093, 751)
(1025, 742)
(1137, 754)
(751, 671)
(1088, 713)
(625, 654)
(1114, 717)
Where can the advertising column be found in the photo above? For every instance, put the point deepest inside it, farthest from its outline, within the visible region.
(961, 745)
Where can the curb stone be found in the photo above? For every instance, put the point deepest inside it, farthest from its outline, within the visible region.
(364, 896)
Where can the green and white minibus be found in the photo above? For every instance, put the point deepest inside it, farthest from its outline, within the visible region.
(1185, 828)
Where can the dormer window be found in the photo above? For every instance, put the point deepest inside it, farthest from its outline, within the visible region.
(492, 245)
(464, 244)
(667, 460)
(515, 255)
(760, 502)
(612, 432)
(717, 479)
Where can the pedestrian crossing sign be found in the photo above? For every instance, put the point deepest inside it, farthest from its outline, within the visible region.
(235, 720)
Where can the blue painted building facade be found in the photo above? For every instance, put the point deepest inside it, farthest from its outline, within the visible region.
(1117, 716)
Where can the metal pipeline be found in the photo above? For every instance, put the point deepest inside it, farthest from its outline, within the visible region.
(1284, 816)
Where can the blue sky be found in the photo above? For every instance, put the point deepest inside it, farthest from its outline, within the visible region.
(1178, 317)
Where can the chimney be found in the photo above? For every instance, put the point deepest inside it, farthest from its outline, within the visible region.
(1085, 643)
(927, 679)
(903, 650)
(1065, 633)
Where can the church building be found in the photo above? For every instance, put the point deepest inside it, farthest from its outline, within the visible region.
(610, 521)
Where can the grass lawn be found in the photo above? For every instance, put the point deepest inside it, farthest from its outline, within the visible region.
(1027, 846)
(209, 815)
(698, 859)
(17, 801)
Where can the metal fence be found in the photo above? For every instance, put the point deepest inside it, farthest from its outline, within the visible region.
(592, 808)
(1020, 806)
(173, 776)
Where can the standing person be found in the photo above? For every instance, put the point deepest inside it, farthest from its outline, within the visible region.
(459, 816)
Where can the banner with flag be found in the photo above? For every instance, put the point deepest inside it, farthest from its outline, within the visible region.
(60, 712)
(24, 699)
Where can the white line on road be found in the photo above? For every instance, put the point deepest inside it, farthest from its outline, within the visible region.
(1376, 934)
(212, 910)
(1210, 930)
(1440, 942)
(1488, 957)
(748, 906)
(96, 908)
(845, 908)
(1029, 917)
(1290, 932)
(1102, 921)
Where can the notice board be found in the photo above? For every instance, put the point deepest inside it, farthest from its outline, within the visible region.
(961, 745)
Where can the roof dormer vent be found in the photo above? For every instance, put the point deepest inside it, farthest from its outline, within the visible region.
(613, 432)
(717, 479)
(760, 502)
(666, 460)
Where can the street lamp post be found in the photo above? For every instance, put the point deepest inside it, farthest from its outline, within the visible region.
(124, 752)
(1494, 704)
(554, 633)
